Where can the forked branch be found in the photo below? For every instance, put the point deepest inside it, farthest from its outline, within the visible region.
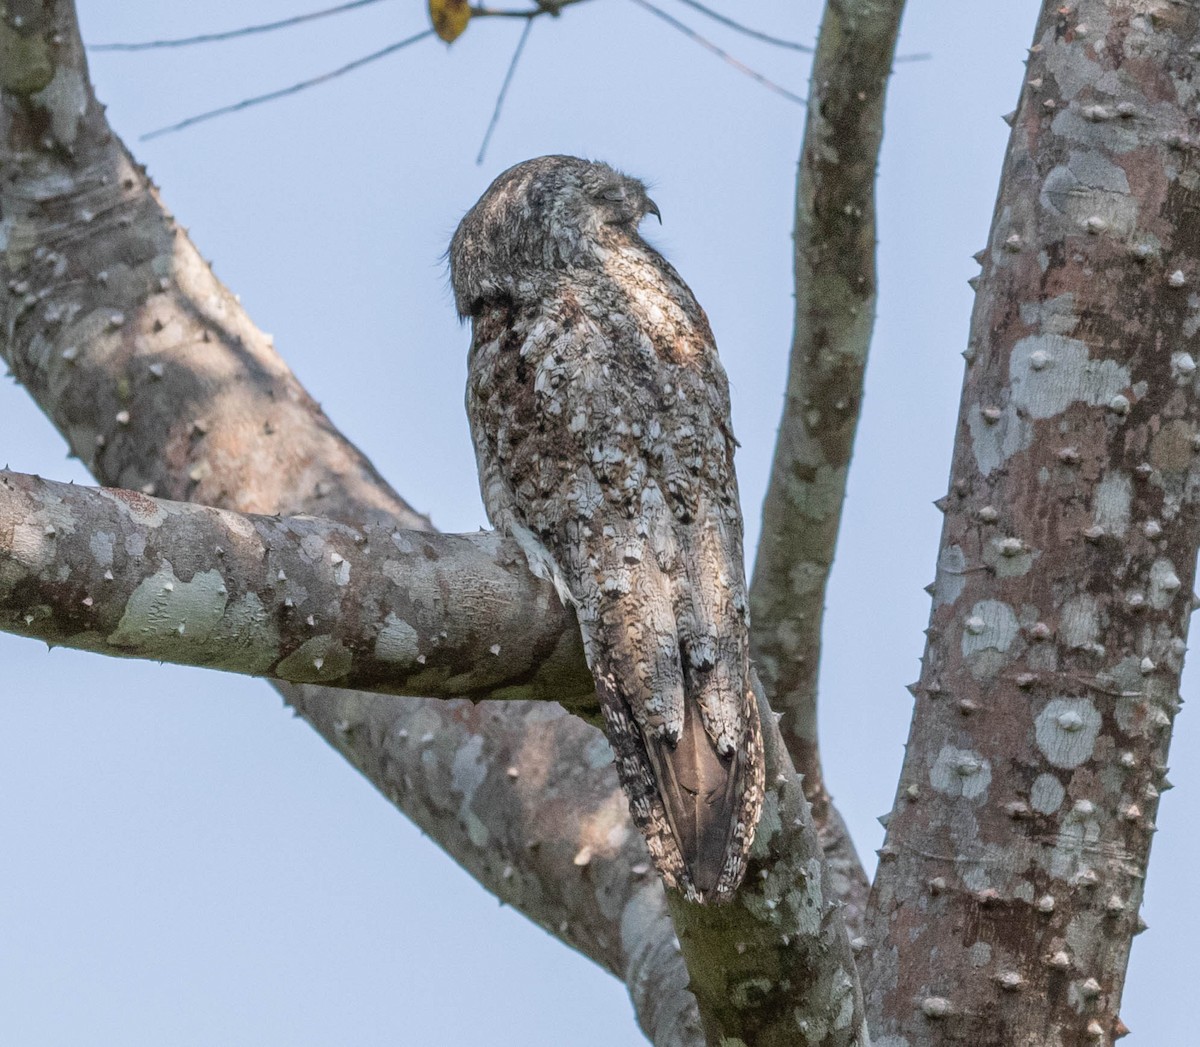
(162, 385)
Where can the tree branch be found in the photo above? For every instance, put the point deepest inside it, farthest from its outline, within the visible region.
(298, 599)
(1009, 884)
(725, 56)
(235, 34)
(290, 89)
(835, 313)
(745, 30)
(394, 612)
(161, 384)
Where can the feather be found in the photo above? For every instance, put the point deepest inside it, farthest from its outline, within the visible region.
(699, 791)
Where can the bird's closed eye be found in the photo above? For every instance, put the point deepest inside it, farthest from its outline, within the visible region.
(616, 192)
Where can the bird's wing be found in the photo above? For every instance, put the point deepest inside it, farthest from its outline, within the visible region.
(618, 462)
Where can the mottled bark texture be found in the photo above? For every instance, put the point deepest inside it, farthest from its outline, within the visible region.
(835, 312)
(161, 383)
(298, 599)
(1010, 880)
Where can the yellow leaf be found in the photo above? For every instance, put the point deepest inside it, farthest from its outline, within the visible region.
(449, 17)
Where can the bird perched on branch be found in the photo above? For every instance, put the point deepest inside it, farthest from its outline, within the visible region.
(600, 416)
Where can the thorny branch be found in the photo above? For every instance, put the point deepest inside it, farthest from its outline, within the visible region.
(297, 599)
(310, 601)
(161, 384)
(835, 313)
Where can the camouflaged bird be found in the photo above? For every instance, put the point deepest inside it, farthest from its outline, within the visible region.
(600, 416)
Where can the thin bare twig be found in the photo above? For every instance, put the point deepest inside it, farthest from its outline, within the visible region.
(754, 34)
(544, 7)
(231, 34)
(725, 56)
(333, 74)
(512, 68)
(767, 38)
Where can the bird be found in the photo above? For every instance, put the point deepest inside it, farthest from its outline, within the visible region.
(600, 415)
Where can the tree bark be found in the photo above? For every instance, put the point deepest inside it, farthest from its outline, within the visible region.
(835, 314)
(297, 599)
(305, 600)
(1010, 880)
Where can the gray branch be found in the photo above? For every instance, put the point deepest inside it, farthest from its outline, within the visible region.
(1010, 880)
(297, 599)
(305, 600)
(162, 385)
(835, 313)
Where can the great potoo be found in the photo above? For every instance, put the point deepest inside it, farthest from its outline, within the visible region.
(600, 415)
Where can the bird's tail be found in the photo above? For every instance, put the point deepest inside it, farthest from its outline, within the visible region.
(702, 794)
(694, 779)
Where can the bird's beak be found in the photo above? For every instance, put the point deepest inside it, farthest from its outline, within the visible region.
(652, 208)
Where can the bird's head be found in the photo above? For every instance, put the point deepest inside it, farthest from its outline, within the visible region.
(548, 214)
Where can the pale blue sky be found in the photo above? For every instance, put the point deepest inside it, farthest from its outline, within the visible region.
(185, 865)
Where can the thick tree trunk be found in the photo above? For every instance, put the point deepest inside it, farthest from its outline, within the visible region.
(1010, 880)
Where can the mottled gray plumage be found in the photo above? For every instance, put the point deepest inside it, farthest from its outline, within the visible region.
(600, 415)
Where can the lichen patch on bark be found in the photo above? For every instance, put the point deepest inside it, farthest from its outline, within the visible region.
(164, 608)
